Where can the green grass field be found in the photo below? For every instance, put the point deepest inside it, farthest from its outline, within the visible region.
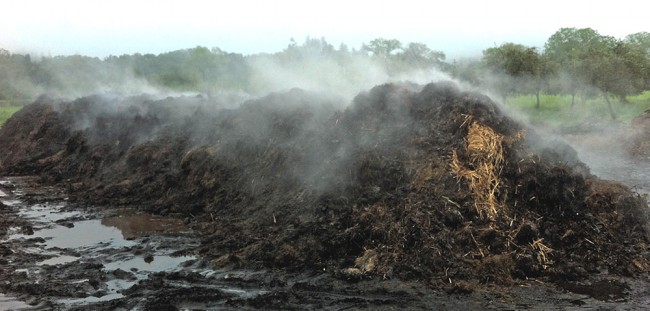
(556, 110)
(6, 112)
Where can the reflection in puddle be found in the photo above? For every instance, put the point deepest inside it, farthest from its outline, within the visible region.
(12, 303)
(158, 264)
(84, 234)
(47, 212)
(89, 299)
(138, 225)
(58, 260)
(11, 202)
(70, 236)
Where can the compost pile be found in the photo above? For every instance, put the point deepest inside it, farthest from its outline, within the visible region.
(412, 182)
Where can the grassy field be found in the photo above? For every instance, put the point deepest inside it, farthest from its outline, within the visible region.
(6, 112)
(556, 110)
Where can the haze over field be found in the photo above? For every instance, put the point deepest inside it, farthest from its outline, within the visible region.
(458, 28)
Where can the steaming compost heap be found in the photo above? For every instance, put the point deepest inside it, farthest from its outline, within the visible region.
(410, 182)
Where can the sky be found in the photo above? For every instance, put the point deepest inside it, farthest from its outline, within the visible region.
(460, 28)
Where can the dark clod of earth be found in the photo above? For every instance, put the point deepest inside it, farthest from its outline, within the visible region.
(420, 189)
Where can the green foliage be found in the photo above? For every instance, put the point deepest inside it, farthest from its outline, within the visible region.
(381, 47)
(610, 65)
(580, 66)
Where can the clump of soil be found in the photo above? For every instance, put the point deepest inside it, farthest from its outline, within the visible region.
(412, 182)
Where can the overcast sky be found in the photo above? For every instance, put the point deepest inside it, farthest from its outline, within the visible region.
(457, 27)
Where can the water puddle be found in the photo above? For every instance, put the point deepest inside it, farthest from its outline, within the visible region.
(85, 234)
(119, 246)
(157, 263)
(12, 303)
(138, 225)
(58, 260)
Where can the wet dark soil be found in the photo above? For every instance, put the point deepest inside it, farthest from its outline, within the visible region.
(412, 197)
(157, 270)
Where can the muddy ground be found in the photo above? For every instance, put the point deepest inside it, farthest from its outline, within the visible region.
(411, 196)
(150, 263)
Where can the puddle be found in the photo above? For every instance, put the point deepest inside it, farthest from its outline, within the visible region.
(11, 202)
(46, 212)
(58, 260)
(157, 263)
(138, 225)
(113, 245)
(84, 234)
(88, 300)
(12, 303)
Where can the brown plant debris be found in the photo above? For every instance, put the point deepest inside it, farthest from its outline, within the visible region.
(483, 167)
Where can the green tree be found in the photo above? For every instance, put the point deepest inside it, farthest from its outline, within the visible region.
(580, 53)
(521, 69)
(419, 55)
(638, 45)
(382, 48)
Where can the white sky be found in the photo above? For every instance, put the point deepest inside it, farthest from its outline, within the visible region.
(457, 27)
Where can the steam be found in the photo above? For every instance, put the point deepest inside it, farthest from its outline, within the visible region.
(230, 78)
(331, 76)
(346, 78)
(598, 141)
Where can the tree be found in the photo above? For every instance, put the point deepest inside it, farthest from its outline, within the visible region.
(419, 55)
(581, 53)
(521, 69)
(381, 47)
(467, 70)
(639, 55)
(639, 40)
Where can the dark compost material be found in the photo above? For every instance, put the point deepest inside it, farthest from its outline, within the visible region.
(429, 183)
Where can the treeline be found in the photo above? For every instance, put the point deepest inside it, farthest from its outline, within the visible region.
(210, 71)
(578, 62)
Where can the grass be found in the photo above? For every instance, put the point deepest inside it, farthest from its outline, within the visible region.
(6, 112)
(556, 110)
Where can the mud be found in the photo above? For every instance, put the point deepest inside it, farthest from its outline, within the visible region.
(413, 197)
(155, 270)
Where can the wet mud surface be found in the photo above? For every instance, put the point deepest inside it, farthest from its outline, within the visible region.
(412, 197)
(62, 258)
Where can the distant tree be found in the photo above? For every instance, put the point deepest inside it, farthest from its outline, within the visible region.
(467, 70)
(311, 49)
(638, 45)
(419, 55)
(639, 40)
(520, 68)
(381, 47)
(614, 67)
(579, 52)
(621, 71)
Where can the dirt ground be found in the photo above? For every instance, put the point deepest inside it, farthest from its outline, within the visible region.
(639, 143)
(413, 196)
